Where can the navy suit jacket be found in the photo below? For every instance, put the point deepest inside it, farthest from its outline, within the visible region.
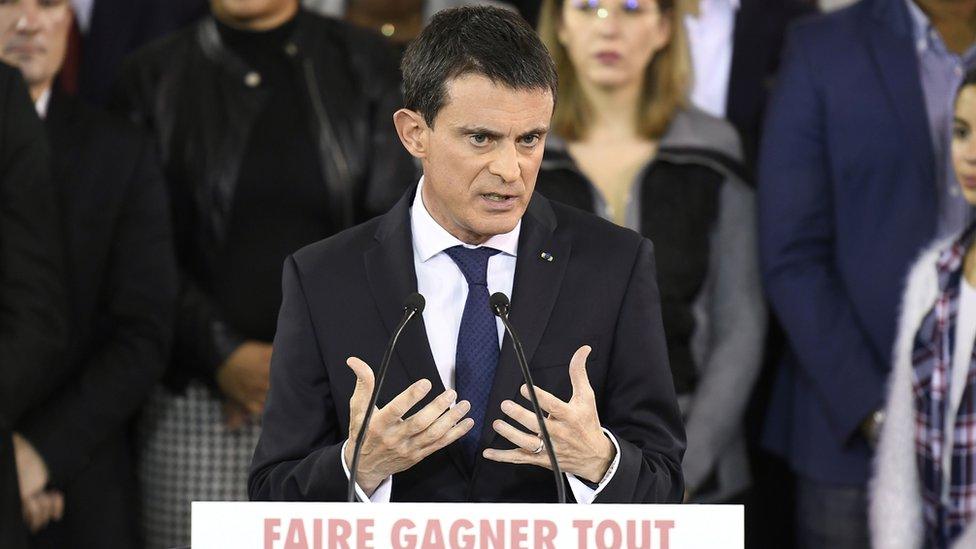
(847, 199)
(342, 297)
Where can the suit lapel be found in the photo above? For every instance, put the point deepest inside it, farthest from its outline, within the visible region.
(536, 287)
(893, 49)
(392, 277)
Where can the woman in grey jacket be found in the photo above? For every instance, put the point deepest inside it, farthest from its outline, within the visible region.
(924, 489)
(627, 147)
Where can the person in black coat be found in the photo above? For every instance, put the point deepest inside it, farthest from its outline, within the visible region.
(477, 119)
(32, 318)
(275, 130)
(121, 281)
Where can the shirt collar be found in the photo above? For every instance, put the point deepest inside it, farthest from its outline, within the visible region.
(430, 239)
(83, 10)
(43, 103)
(922, 30)
(950, 262)
(920, 21)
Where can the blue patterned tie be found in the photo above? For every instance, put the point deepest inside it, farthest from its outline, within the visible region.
(477, 344)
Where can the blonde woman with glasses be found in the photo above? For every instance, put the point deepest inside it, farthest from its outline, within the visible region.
(627, 146)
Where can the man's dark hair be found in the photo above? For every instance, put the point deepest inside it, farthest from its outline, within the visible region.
(489, 41)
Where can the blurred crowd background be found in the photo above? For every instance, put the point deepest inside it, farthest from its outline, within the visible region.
(159, 159)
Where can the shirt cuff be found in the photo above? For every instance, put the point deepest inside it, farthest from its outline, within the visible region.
(583, 493)
(382, 492)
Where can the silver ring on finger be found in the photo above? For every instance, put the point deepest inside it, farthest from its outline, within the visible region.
(542, 444)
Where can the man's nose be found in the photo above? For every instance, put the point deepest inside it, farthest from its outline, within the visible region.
(28, 18)
(505, 165)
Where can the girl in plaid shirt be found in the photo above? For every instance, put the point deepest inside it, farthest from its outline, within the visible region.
(924, 489)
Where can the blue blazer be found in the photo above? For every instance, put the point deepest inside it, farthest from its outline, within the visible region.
(847, 199)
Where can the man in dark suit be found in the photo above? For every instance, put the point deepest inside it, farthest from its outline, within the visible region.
(32, 318)
(757, 44)
(121, 291)
(735, 49)
(756, 47)
(852, 185)
(479, 97)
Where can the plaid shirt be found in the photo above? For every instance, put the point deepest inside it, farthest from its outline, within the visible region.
(946, 515)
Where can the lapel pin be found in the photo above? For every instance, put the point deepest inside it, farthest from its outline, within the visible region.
(547, 256)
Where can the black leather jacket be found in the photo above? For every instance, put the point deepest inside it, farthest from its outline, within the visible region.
(201, 100)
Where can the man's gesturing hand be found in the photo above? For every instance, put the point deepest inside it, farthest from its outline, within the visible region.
(395, 444)
(577, 437)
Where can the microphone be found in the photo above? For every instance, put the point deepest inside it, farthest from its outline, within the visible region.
(412, 306)
(500, 305)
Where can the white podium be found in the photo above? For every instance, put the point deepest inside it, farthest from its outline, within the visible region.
(465, 526)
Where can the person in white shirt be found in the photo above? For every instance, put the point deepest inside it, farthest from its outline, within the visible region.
(735, 48)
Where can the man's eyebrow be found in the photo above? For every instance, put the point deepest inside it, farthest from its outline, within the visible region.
(957, 120)
(478, 130)
(541, 130)
(481, 130)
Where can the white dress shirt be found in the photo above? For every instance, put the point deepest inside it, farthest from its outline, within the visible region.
(710, 36)
(42, 104)
(445, 291)
(83, 13)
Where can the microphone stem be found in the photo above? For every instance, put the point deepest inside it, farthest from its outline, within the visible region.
(380, 376)
(547, 440)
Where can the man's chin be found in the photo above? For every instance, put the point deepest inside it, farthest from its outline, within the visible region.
(497, 226)
(19, 62)
(33, 75)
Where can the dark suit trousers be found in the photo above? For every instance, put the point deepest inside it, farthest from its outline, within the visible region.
(98, 492)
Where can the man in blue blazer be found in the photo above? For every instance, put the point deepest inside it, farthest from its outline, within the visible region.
(851, 187)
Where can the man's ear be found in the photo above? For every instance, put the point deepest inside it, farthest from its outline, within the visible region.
(412, 129)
